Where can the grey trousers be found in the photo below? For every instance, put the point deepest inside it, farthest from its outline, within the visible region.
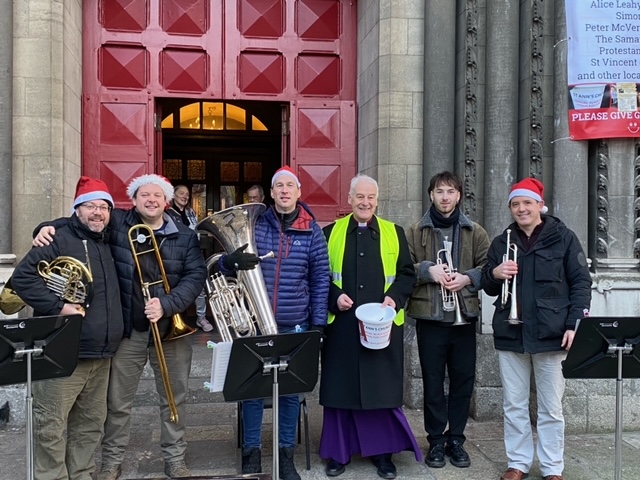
(77, 404)
(126, 369)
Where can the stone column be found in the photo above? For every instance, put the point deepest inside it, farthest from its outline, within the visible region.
(47, 87)
(439, 90)
(501, 130)
(6, 123)
(390, 59)
(570, 166)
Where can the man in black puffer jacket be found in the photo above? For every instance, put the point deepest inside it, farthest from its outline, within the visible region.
(186, 273)
(552, 291)
(78, 403)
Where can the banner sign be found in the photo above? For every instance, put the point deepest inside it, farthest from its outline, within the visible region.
(603, 67)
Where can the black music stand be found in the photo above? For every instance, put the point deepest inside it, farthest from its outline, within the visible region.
(36, 349)
(272, 365)
(606, 347)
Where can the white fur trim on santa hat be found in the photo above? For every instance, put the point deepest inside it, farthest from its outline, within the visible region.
(524, 192)
(151, 179)
(286, 170)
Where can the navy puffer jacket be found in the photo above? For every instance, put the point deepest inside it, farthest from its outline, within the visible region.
(297, 278)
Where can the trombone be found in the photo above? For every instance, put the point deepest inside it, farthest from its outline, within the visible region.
(510, 291)
(450, 300)
(139, 234)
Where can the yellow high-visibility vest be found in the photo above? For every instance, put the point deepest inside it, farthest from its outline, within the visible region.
(389, 251)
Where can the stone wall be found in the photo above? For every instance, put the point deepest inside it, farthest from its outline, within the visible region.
(47, 90)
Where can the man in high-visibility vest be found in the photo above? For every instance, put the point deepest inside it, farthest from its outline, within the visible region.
(361, 388)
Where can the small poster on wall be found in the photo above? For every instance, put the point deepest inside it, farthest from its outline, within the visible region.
(603, 67)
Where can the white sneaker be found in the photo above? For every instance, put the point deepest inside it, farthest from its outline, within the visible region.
(204, 324)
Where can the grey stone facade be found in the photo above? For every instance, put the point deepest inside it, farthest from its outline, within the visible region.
(495, 111)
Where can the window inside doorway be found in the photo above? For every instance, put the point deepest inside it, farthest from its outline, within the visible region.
(213, 116)
(220, 149)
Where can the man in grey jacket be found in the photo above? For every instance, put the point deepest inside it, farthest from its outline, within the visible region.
(446, 330)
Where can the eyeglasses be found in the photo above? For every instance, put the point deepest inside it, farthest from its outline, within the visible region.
(92, 207)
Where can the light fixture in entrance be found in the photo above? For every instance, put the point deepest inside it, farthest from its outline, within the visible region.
(213, 116)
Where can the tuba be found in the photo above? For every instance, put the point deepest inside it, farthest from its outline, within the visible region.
(241, 306)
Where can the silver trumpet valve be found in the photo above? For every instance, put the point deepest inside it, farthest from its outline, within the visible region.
(450, 302)
(509, 287)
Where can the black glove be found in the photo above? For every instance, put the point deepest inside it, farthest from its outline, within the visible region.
(318, 328)
(242, 261)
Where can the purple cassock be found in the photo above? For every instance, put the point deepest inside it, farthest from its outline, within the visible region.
(365, 432)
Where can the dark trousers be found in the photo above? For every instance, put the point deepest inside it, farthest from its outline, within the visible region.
(443, 346)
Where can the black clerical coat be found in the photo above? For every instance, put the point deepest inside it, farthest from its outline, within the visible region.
(355, 377)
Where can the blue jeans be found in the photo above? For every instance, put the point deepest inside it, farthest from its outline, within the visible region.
(289, 410)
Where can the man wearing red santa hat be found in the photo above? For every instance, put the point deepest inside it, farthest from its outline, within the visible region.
(553, 291)
(186, 273)
(78, 403)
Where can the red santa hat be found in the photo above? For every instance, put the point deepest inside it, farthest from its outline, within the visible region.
(529, 187)
(91, 189)
(151, 179)
(284, 171)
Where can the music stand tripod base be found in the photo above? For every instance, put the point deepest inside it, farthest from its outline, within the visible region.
(606, 347)
(37, 348)
(272, 365)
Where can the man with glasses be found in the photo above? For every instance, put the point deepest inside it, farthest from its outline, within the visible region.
(78, 403)
(186, 273)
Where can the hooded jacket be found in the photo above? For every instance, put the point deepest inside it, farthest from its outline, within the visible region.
(297, 278)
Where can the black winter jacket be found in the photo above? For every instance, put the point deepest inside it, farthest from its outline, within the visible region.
(553, 289)
(102, 326)
(183, 264)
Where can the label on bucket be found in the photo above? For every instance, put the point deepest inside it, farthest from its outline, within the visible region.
(375, 335)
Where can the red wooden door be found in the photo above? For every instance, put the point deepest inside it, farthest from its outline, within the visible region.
(300, 53)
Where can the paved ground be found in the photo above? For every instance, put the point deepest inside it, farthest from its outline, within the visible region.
(212, 443)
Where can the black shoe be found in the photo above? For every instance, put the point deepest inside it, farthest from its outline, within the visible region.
(435, 456)
(386, 468)
(458, 456)
(251, 460)
(287, 467)
(334, 468)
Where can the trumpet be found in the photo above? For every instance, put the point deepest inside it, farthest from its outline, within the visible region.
(510, 291)
(139, 234)
(450, 302)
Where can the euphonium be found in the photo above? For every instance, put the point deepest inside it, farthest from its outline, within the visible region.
(511, 254)
(139, 235)
(240, 305)
(450, 300)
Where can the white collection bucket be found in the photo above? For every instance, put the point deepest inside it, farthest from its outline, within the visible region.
(375, 325)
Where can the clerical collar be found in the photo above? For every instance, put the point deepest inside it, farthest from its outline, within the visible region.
(363, 224)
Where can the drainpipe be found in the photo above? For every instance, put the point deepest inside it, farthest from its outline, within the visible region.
(501, 114)
(439, 90)
(570, 158)
(6, 123)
